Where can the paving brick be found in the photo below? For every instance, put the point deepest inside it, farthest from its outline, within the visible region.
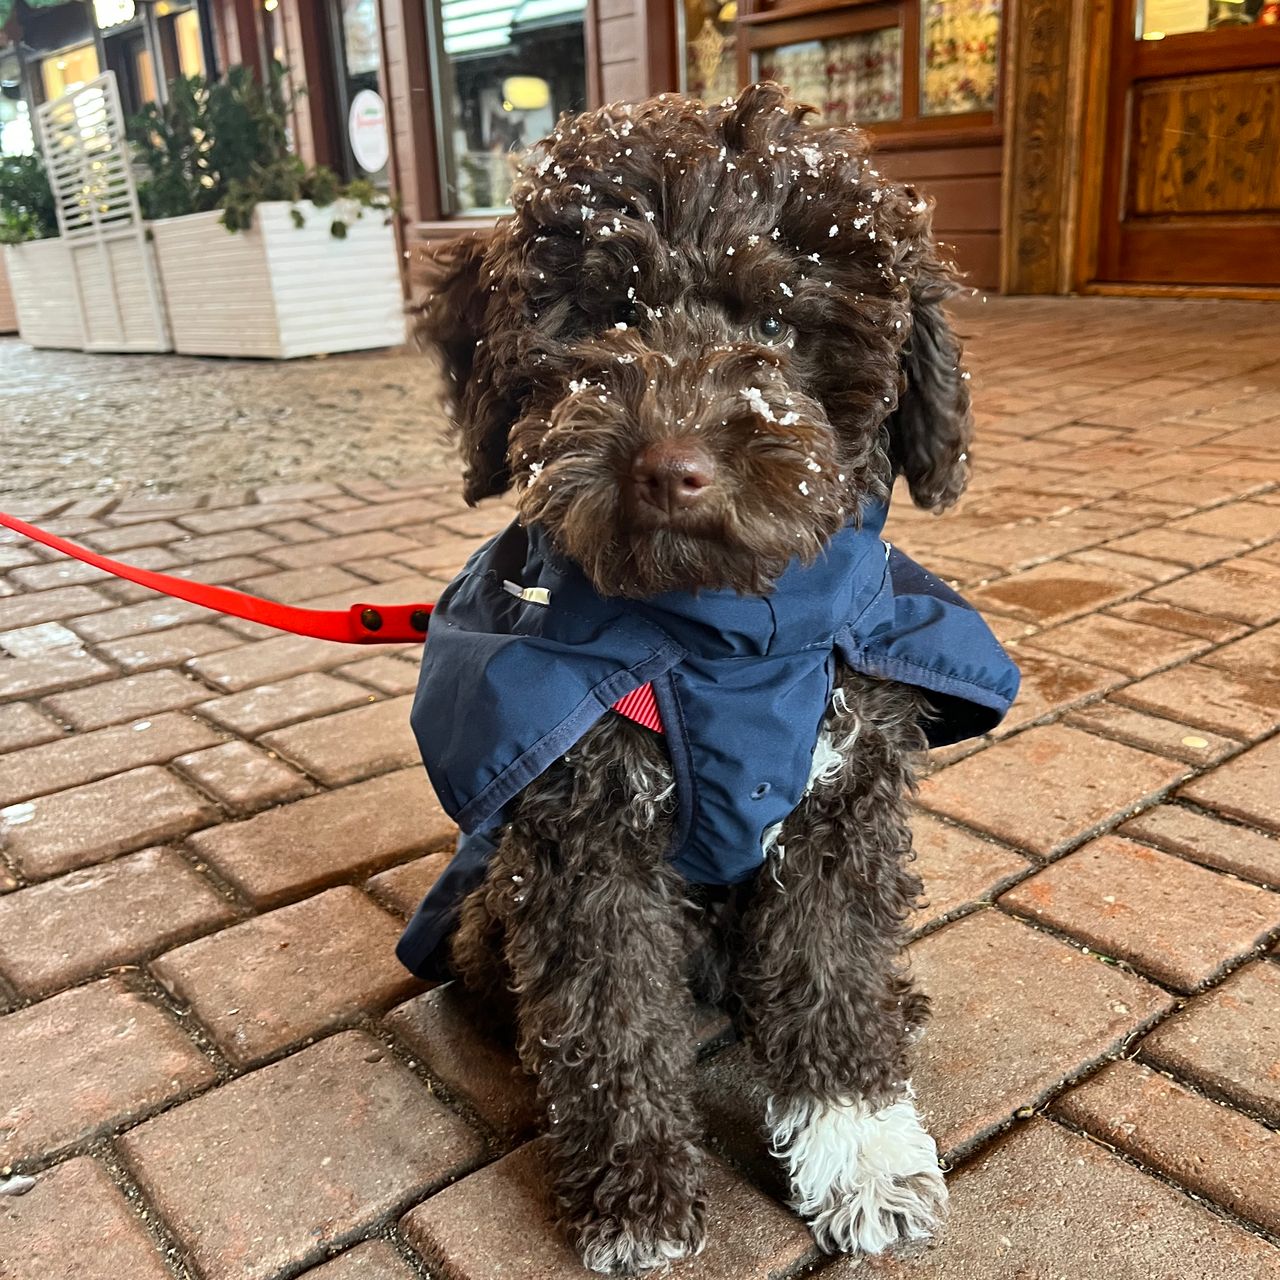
(403, 887)
(296, 492)
(1255, 655)
(271, 706)
(957, 867)
(1238, 850)
(226, 569)
(1228, 1041)
(35, 642)
(132, 698)
(112, 541)
(1016, 1013)
(78, 758)
(1129, 647)
(1045, 1204)
(252, 516)
(498, 1223)
(293, 531)
(385, 515)
(335, 550)
(75, 1224)
(1247, 787)
(476, 522)
(89, 824)
(1244, 707)
(373, 1260)
(50, 606)
(21, 725)
(1172, 618)
(1179, 546)
(441, 559)
(1051, 683)
(267, 661)
(1152, 733)
(1252, 522)
(1204, 1146)
(266, 1174)
(1055, 592)
(156, 614)
(219, 546)
(61, 669)
(316, 842)
(242, 778)
(1045, 788)
(388, 675)
(167, 648)
(352, 744)
(439, 1030)
(1180, 923)
(81, 1062)
(408, 588)
(294, 585)
(1138, 566)
(1243, 591)
(279, 978)
(14, 552)
(377, 569)
(59, 932)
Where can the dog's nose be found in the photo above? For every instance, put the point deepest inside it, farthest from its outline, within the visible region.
(672, 474)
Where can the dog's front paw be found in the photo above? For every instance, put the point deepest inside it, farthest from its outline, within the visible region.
(635, 1218)
(865, 1180)
(628, 1247)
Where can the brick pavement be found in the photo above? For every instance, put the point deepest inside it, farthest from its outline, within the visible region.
(213, 1068)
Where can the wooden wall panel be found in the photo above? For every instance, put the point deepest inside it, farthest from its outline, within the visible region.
(965, 183)
(1206, 144)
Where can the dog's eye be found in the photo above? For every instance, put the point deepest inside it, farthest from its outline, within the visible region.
(771, 330)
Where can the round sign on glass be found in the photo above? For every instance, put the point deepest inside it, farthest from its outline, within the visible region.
(367, 129)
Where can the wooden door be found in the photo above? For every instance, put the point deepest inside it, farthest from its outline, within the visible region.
(1191, 164)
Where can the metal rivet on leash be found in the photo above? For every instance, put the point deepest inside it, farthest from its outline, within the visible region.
(419, 620)
(371, 619)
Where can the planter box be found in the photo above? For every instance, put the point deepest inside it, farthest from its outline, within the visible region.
(43, 285)
(279, 290)
(8, 314)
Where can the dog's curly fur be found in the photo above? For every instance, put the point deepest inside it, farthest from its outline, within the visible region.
(738, 277)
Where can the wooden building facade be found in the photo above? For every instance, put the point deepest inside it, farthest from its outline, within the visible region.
(1125, 146)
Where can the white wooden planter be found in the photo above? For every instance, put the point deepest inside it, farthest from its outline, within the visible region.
(46, 299)
(279, 290)
(8, 313)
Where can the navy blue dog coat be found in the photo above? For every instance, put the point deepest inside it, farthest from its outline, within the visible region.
(524, 657)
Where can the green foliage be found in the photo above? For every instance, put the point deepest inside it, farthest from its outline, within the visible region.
(27, 210)
(225, 146)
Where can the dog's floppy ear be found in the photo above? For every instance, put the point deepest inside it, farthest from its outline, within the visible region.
(456, 314)
(930, 431)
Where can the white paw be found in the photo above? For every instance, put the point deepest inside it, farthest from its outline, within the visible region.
(865, 1180)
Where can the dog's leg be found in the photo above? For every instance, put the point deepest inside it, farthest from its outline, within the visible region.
(595, 925)
(825, 1003)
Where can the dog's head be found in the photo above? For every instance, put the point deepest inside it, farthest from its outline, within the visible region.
(705, 336)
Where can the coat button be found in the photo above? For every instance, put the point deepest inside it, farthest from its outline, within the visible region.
(761, 791)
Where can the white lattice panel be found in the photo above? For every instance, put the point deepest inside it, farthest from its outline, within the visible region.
(115, 282)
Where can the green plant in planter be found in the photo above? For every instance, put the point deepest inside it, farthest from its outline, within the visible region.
(27, 210)
(225, 145)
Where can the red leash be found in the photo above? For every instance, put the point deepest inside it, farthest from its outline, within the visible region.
(357, 624)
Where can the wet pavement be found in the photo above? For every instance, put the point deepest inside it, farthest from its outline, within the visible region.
(211, 1064)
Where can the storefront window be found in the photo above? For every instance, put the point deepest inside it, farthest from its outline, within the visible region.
(505, 72)
(710, 48)
(364, 112)
(959, 56)
(186, 38)
(68, 70)
(1160, 18)
(854, 79)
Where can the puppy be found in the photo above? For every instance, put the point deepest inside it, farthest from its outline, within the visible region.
(675, 705)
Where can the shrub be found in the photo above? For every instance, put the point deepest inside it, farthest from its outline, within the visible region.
(225, 145)
(27, 210)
